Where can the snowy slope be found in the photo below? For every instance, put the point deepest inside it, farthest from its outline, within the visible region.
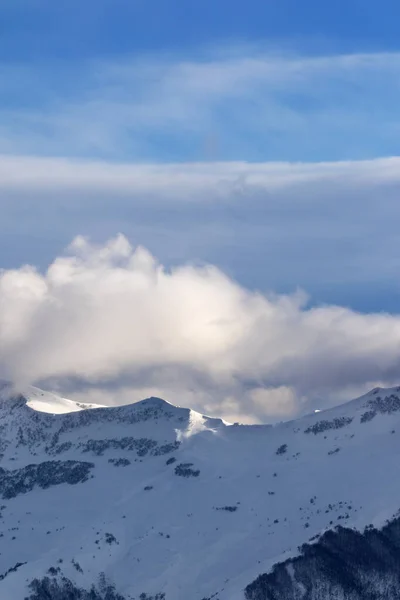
(51, 403)
(163, 500)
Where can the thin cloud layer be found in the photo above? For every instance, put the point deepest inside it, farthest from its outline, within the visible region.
(111, 323)
(218, 104)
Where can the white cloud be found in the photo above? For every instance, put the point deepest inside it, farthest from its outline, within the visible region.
(183, 180)
(280, 401)
(111, 318)
(243, 99)
(330, 228)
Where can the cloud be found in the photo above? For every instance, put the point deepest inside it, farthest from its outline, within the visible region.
(109, 321)
(330, 228)
(230, 103)
(181, 180)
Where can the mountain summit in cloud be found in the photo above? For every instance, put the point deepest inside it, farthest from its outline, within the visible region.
(154, 501)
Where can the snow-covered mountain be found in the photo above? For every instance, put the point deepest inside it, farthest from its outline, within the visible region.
(152, 501)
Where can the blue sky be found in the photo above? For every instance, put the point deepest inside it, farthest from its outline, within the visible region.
(252, 149)
(214, 80)
(141, 83)
(44, 30)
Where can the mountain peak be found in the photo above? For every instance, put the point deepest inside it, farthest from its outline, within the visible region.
(48, 402)
(154, 401)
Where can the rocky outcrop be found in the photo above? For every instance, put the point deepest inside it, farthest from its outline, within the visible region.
(322, 426)
(43, 475)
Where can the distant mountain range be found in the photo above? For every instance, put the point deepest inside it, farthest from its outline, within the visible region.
(151, 501)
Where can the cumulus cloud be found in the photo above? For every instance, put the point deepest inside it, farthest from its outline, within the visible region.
(111, 324)
(330, 228)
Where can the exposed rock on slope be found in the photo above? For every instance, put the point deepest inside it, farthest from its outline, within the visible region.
(197, 508)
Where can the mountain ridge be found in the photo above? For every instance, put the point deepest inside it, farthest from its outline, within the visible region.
(38, 400)
(159, 502)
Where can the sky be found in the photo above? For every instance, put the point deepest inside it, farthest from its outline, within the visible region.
(247, 154)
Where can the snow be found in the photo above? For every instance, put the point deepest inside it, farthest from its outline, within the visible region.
(47, 402)
(171, 538)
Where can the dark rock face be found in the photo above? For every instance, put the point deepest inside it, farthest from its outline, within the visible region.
(379, 405)
(11, 570)
(282, 449)
(62, 448)
(141, 446)
(43, 475)
(185, 470)
(386, 405)
(166, 448)
(343, 564)
(110, 538)
(119, 462)
(322, 426)
(368, 416)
